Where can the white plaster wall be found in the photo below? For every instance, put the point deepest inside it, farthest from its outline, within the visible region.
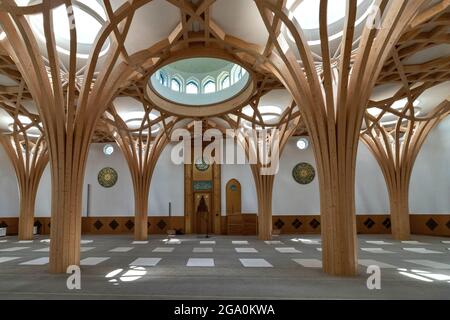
(9, 193)
(290, 197)
(430, 180)
(167, 186)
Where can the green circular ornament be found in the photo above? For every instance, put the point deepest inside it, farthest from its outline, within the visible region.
(107, 177)
(201, 165)
(303, 173)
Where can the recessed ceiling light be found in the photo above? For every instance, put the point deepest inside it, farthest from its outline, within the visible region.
(302, 143)
(108, 149)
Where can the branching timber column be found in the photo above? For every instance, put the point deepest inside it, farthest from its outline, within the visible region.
(141, 140)
(263, 144)
(70, 99)
(332, 85)
(395, 145)
(29, 158)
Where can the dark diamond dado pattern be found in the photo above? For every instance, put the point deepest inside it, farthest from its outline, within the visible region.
(129, 224)
(279, 224)
(431, 224)
(314, 223)
(369, 223)
(113, 224)
(98, 225)
(296, 223)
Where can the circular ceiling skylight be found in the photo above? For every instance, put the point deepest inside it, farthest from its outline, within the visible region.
(199, 81)
(136, 120)
(269, 114)
(88, 17)
(307, 13)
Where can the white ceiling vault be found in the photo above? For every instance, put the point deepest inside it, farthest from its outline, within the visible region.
(230, 26)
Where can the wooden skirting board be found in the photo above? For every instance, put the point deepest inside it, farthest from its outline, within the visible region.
(423, 224)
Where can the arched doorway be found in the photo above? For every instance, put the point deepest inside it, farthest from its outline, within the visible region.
(233, 207)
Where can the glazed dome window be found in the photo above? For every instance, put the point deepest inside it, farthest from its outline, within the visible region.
(199, 81)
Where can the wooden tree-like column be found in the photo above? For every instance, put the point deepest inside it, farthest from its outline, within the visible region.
(263, 144)
(69, 111)
(141, 148)
(395, 145)
(29, 157)
(332, 87)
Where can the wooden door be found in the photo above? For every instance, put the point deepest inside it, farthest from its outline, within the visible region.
(233, 207)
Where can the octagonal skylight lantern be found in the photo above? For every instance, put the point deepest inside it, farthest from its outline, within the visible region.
(200, 86)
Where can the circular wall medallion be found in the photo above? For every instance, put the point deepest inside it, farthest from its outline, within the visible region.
(201, 165)
(107, 177)
(303, 173)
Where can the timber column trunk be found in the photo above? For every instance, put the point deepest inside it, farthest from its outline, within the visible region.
(400, 225)
(65, 228)
(141, 215)
(26, 216)
(338, 222)
(264, 190)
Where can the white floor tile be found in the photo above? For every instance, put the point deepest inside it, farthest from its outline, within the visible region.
(93, 261)
(202, 250)
(14, 249)
(164, 249)
(6, 259)
(36, 262)
(45, 241)
(309, 263)
(121, 249)
(413, 242)
(86, 249)
(246, 250)
(3, 241)
(378, 242)
(47, 249)
(86, 241)
(288, 250)
(273, 242)
(319, 249)
(139, 242)
(145, 262)
(445, 241)
(306, 241)
(208, 242)
(173, 241)
(24, 241)
(255, 263)
(200, 262)
(239, 242)
(421, 250)
(376, 250)
(369, 262)
(431, 264)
